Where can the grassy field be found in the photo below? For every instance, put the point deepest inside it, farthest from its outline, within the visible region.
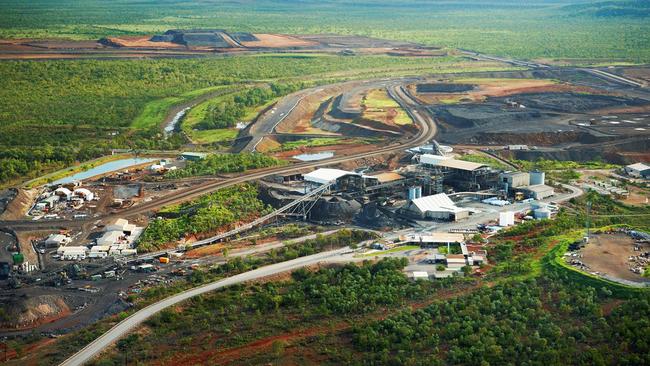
(378, 103)
(562, 29)
(156, 111)
(482, 159)
(398, 249)
(58, 113)
(318, 141)
(196, 115)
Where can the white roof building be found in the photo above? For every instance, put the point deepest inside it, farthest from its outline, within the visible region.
(72, 251)
(638, 170)
(326, 175)
(63, 192)
(420, 275)
(51, 200)
(447, 162)
(506, 218)
(85, 193)
(437, 206)
(56, 239)
(109, 238)
(433, 238)
(100, 248)
(121, 225)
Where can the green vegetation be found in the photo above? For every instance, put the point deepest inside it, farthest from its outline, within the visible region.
(547, 320)
(224, 163)
(453, 249)
(204, 215)
(483, 159)
(228, 112)
(60, 350)
(322, 141)
(550, 29)
(256, 311)
(378, 104)
(155, 112)
(213, 120)
(401, 248)
(548, 165)
(57, 113)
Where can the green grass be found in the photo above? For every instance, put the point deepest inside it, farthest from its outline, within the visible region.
(155, 112)
(315, 142)
(380, 100)
(482, 159)
(398, 249)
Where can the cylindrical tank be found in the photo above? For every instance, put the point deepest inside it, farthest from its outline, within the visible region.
(537, 177)
(415, 192)
(542, 213)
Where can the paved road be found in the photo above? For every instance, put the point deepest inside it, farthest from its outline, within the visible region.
(266, 124)
(426, 132)
(127, 325)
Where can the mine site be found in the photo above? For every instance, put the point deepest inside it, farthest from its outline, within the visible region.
(260, 189)
(204, 42)
(393, 155)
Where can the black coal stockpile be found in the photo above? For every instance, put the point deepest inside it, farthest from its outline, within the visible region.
(243, 37)
(202, 37)
(444, 88)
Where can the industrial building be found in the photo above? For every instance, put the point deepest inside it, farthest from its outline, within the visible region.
(72, 252)
(433, 239)
(459, 174)
(538, 191)
(526, 185)
(638, 170)
(193, 156)
(436, 207)
(514, 179)
(55, 240)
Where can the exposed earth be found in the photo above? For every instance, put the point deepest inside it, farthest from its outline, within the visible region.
(609, 253)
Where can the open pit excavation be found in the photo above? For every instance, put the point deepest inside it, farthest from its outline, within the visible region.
(287, 193)
(187, 43)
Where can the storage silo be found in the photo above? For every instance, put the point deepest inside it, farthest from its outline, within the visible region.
(414, 192)
(537, 177)
(542, 213)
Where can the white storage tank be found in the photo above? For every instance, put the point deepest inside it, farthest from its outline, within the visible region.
(506, 218)
(542, 213)
(537, 177)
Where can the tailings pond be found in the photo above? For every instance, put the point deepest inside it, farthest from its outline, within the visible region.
(105, 168)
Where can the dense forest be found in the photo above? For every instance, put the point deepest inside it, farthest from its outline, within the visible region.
(55, 113)
(541, 321)
(224, 163)
(204, 215)
(226, 113)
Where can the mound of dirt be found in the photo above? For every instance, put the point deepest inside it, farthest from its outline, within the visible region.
(574, 103)
(30, 312)
(17, 204)
(479, 115)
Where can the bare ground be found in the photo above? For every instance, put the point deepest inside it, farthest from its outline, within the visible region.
(608, 254)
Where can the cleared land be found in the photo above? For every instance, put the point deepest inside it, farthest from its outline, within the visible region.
(609, 253)
(378, 106)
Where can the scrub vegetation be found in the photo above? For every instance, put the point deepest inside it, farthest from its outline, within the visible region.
(224, 163)
(207, 214)
(56, 113)
(542, 29)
